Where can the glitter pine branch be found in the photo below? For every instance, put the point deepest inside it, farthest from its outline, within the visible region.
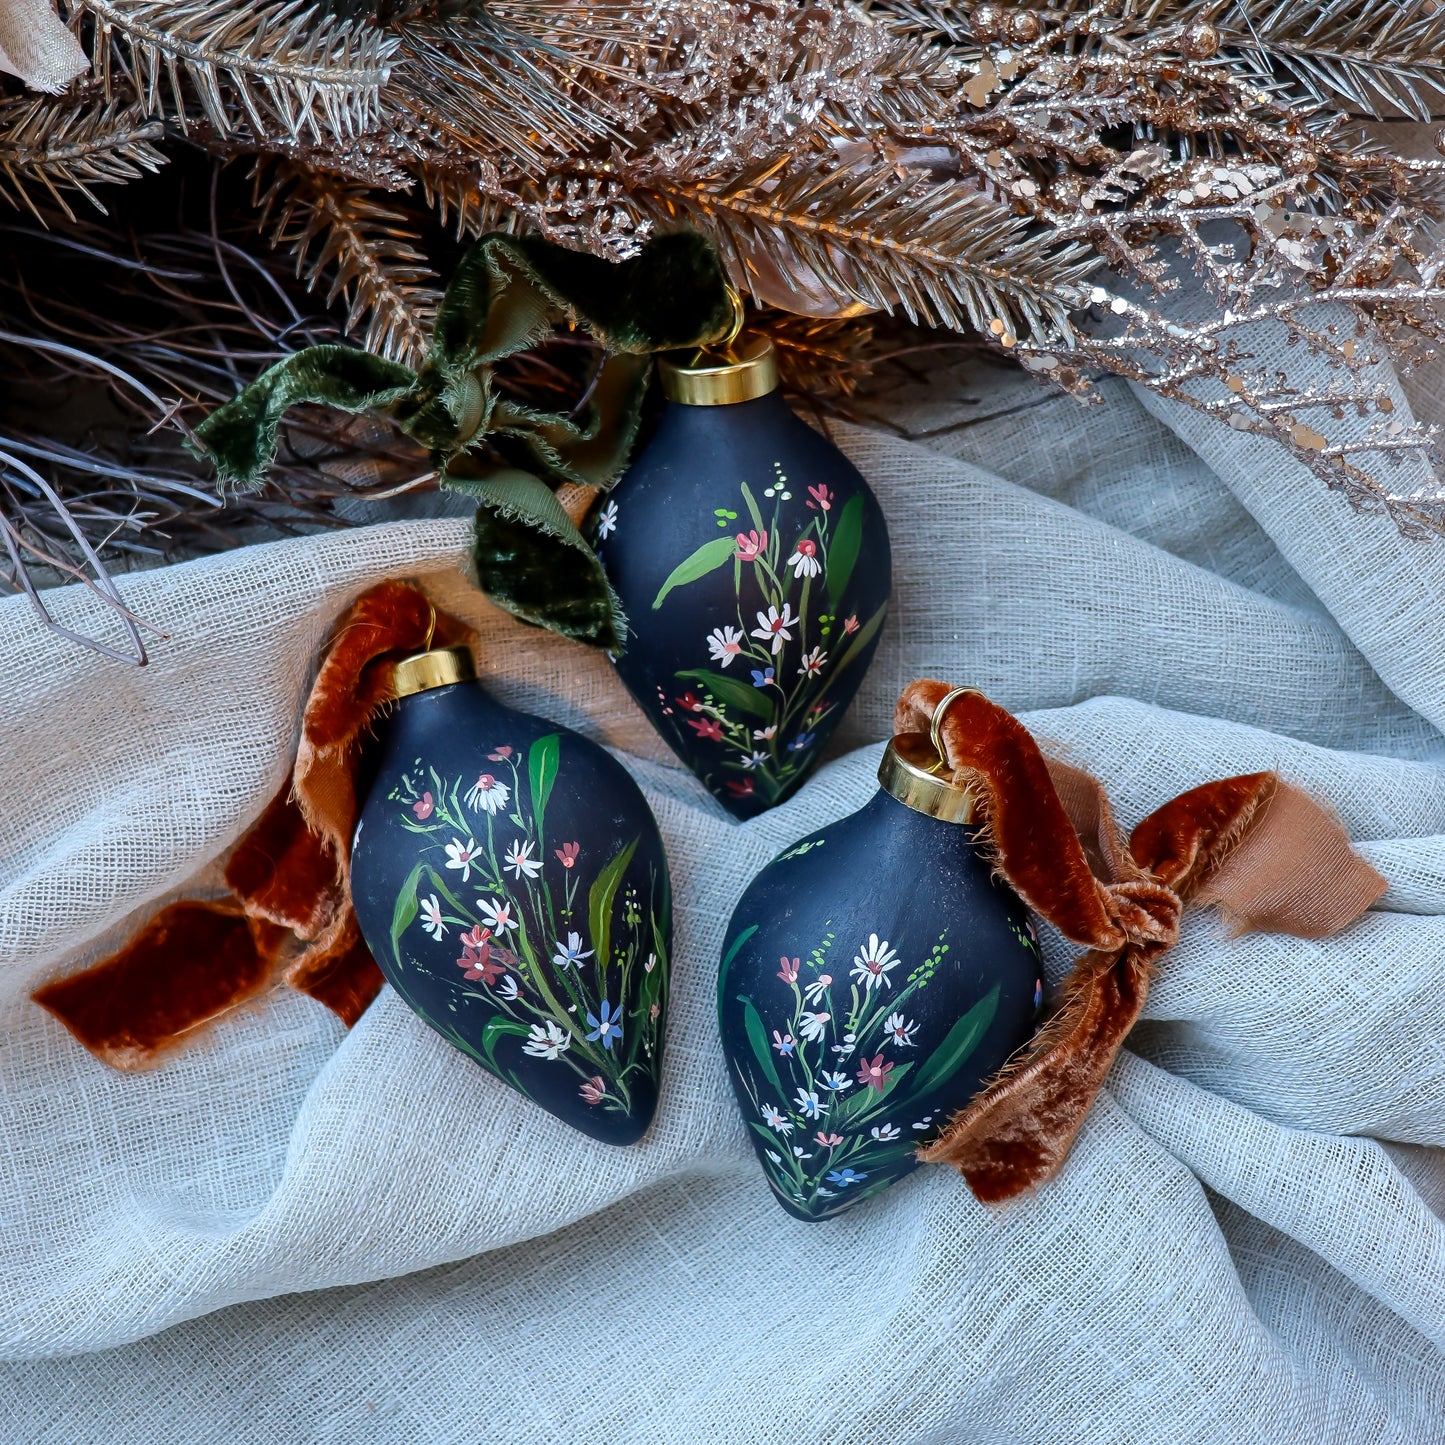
(363, 248)
(51, 146)
(1168, 190)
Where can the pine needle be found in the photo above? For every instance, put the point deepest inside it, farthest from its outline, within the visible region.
(365, 250)
(56, 145)
(266, 67)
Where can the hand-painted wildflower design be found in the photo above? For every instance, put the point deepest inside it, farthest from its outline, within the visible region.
(431, 918)
(763, 698)
(563, 964)
(488, 795)
(842, 1072)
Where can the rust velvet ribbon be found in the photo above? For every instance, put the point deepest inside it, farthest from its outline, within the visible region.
(1263, 852)
(289, 913)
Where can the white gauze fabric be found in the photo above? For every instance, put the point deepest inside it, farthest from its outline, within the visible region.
(295, 1233)
(36, 45)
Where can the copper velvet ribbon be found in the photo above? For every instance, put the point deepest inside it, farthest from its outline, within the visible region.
(289, 913)
(1267, 855)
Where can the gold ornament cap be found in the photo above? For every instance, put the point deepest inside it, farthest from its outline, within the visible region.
(741, 370)
(436, 667)
(915, 773)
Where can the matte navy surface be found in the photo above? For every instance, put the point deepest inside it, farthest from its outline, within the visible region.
(873, 976)
(753, 562)
(510, 880)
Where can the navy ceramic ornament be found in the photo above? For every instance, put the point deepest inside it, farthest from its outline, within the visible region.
(873, 977)
(753, 563)
(510, 881)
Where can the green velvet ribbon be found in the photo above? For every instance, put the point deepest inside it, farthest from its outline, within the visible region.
(508, 294)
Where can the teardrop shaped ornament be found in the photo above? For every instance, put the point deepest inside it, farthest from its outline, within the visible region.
(510, 880)
(753, 563)
(873, 976)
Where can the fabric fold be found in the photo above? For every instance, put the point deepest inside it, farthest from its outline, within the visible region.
(292, 1203)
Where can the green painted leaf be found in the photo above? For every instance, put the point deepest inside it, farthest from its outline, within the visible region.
(405, 912)
(652, 991)
(758, 1038)
(440, 884)
(843, 550)
(732, 692)
(599, 904)
(868, 1191)
(649, 991)
(861, 639)
(770, 788)
(753, 511)
(494, 1030)
(882, 1155)
(776, 1170)
(732, 952)
(542, 773)
(861, 1101)
(708, 558)
(960, 1041)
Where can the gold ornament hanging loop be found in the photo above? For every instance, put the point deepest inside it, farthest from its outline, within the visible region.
(941, 711)
(735, 300)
